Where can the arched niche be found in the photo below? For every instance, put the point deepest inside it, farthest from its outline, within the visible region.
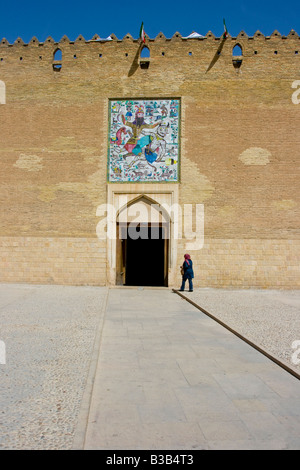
(142, 236)
(123, 197)
(143, 209)
(144, 58)
(57, 60)
(237, 56)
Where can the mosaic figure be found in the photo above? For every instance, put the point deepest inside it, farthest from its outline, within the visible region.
(143, 140)
(134, 144)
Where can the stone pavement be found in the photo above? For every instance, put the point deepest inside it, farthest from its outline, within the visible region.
(133, 368)
(169, 377)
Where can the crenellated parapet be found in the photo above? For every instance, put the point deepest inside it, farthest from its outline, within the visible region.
(192, 54)
(160, 37)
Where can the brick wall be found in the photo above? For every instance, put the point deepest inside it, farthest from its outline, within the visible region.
(43, 260)
(239, 152)
(245, 263)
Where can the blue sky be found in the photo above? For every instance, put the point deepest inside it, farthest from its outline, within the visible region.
(57, 18)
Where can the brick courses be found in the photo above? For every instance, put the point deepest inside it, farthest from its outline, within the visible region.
(239, 153)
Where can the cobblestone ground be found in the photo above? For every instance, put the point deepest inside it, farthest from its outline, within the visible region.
(48, 333)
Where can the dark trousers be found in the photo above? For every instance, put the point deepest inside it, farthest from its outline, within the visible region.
(184, 281)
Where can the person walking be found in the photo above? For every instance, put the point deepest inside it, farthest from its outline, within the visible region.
(188, 273)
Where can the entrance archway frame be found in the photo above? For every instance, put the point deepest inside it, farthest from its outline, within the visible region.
(118, 195)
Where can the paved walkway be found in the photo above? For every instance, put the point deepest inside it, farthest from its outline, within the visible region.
(169, 377)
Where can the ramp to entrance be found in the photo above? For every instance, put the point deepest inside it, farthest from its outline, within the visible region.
(169, 377)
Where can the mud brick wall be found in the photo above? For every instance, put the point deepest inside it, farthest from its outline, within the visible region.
(239, 152)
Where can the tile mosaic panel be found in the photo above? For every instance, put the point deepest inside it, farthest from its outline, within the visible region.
(144, 140)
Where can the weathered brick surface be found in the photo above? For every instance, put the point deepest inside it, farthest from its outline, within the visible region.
(246, 263)
(42, 260)
(239, 153)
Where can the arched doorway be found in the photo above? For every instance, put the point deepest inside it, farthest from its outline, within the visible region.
(143, 229)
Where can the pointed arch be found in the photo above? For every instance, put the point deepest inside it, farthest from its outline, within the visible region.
(145, 53)
(149, 204)
(237, 50)
(143, 229)
(237, 56)
(57, 55)
(57, 60)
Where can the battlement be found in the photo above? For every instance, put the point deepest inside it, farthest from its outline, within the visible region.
(293, 35)
(256, 55)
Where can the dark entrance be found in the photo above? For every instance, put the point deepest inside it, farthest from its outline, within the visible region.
(145, 250)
